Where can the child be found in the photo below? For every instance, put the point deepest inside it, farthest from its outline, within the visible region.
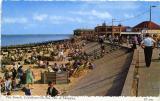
(52, 91)
(27, 91)
(8, 85)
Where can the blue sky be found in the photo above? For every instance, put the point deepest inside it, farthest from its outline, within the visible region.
(62, 17)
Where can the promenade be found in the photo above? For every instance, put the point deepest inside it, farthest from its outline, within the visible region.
(107, 79)
(149, 78)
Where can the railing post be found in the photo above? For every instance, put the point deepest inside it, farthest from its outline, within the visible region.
(94, 54)
(55, 78)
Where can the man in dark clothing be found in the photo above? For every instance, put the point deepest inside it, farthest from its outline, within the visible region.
(52, 91)
(14, 73)
(148, 44)
(6, 74)
(20, 75)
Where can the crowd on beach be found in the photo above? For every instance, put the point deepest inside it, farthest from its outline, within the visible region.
(16, 78)
(70, 54)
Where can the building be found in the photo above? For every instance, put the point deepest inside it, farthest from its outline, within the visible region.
(107, 30)
(126, 29)
(84, 32)
(130, 33)
(146, 25)
(152, 32)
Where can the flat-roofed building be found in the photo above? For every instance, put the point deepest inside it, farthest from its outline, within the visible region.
(84, 32)
(107, 30)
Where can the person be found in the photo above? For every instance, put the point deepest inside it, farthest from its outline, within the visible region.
(3, 68)
(102, 49)
(64, 67)
(52, 91)
(127, 40)
(8, 85)
(158, 45)
(50, 69)
(91, 65)
(101, 40)
(116, 40)
(14, 66)
(14, 72)
(134, 42)
(19, 65)
(29, 77)
(55, 67)
(14, 84)
(27, 91)
(148, 44)
(20, 75)
(0, 85)
(61, 55)
(6, 74)
(139, 39)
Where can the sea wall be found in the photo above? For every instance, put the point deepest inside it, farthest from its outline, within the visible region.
(128, 88)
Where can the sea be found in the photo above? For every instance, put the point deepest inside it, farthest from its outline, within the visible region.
(8, 40)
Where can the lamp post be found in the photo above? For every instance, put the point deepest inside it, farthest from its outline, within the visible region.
(150, 18)
(112, 26)
(151, 12)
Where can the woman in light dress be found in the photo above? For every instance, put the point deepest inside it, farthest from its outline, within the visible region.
(29, 77)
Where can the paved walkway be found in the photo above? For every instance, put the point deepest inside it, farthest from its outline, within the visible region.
(149, 78)
(107, 79)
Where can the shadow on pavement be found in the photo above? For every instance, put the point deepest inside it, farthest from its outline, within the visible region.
(119, 81)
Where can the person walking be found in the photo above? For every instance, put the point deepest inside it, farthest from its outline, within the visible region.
(29, 77)
(148, 44)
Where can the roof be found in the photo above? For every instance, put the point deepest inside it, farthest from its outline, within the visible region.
(84, 30)
(147, 24)
(130, 33)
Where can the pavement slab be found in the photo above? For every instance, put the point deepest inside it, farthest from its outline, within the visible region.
(149, 78)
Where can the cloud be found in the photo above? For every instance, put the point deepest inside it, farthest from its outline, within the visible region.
(63, 19)
(40, 17)
(12, 20)
(102, 15)
(128, 15)
(75, 19)
(95, 13)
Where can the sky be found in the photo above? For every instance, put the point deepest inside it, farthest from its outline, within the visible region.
(62, 17)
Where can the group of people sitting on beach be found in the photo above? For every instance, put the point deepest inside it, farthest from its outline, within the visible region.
(16, 78)
(57, 68)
